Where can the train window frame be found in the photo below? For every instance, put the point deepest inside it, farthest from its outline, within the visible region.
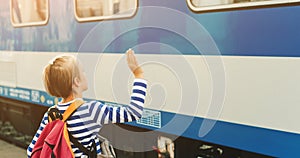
(242, 5)
(108, 17)
(33, 23)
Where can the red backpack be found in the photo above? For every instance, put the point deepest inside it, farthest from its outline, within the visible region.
(54, 141)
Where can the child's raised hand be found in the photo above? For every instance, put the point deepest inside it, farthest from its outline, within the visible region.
(133, 64)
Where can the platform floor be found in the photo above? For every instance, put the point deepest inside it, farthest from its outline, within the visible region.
(8, 150)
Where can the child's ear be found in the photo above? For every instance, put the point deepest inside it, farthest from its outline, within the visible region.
(76, 81)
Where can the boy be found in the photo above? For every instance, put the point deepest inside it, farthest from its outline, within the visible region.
(65, 78)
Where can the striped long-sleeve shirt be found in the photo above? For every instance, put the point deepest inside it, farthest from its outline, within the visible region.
(87, 120)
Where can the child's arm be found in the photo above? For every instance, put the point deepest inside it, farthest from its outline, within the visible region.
(132, 112)
(36, 136)
(105, 114)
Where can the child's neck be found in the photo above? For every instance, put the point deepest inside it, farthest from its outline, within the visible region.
(70, 98)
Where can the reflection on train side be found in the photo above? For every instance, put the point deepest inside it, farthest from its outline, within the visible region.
(26, 12)
(98, 8)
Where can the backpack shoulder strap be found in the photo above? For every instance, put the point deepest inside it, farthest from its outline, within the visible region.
(71, 109)
(91, 152)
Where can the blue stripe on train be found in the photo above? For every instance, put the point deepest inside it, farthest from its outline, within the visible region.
(254, 139)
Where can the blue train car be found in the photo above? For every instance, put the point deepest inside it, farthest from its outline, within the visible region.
(222, 73)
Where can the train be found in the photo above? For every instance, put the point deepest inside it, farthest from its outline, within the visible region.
(223, 78)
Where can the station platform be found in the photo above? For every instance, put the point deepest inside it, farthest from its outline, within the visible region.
(8, 150)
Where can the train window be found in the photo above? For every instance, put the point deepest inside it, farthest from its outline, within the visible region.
(29, 12)
(213, 5)
(90, 10)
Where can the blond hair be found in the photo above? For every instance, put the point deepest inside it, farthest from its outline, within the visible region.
(59, 75)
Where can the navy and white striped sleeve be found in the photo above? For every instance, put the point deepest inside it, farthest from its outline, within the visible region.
(36, 136)
(132, 112)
